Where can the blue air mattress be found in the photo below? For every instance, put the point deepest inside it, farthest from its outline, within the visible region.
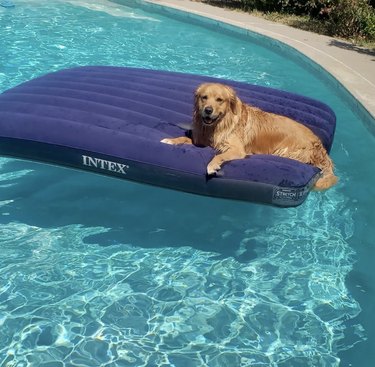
(110, 120)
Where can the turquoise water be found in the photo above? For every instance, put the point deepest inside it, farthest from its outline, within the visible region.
(100, 272)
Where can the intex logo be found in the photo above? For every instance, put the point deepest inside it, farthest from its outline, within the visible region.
(105, 165)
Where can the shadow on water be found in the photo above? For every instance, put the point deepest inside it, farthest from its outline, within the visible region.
(136, 214)
(301, 255)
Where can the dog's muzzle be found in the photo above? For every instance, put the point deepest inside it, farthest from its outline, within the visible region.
(207, 117)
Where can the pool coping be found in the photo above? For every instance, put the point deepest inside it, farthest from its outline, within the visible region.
(352, 67)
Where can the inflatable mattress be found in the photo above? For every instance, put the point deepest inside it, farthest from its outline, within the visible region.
(110, 120)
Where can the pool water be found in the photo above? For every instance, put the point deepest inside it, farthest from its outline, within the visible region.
(101, 272)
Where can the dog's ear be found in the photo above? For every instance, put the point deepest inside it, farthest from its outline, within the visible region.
(197, 94)
(233, 101)
(200, 89)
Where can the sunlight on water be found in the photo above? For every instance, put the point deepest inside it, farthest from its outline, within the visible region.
(97, 272)
(64, 299)
(110, 8)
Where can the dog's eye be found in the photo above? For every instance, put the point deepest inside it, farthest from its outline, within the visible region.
(220, 100)
(204, 98)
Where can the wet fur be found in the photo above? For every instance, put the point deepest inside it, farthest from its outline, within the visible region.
(237, 130)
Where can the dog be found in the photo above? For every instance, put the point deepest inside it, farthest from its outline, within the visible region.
(236, 130)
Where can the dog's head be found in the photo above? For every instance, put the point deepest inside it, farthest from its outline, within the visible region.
(214, 101)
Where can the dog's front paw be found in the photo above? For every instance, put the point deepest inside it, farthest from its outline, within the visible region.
(213, 168)
(167, 141)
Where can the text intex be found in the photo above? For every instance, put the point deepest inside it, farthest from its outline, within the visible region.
(103, 164)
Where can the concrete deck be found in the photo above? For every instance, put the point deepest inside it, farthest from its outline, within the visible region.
(352, 66)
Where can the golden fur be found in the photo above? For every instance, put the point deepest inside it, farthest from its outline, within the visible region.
(222, 121)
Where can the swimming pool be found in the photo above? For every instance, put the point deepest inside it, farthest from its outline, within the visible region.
(99, 272)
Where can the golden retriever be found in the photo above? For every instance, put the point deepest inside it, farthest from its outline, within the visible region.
(235, 129)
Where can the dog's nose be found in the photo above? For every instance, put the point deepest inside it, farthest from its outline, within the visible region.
(208, 110)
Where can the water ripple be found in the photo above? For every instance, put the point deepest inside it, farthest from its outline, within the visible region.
(66, 299)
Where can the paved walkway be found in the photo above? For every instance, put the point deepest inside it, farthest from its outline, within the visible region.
(354, 67)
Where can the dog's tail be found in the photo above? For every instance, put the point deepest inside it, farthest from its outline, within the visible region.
(326, 181)
(322, 160)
